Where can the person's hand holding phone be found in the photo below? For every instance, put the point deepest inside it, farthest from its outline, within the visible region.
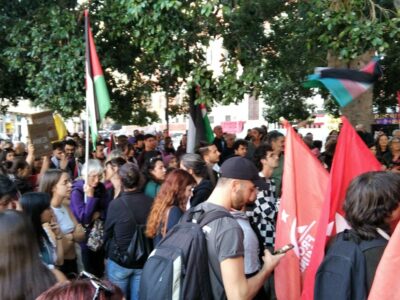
(270, 260)
(55, 227)
(284, 249)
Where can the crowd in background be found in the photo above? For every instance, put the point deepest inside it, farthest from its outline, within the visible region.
(78, 214)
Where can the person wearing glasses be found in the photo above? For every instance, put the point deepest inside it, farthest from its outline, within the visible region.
(88, 204)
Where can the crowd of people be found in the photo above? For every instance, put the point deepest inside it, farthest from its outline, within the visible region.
(66, 224)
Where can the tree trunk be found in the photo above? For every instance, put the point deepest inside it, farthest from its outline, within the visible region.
(359, 111)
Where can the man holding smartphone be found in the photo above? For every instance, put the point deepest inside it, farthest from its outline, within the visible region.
(225, 237)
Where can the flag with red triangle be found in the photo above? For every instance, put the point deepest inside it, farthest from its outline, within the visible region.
(345, 85)
(304, 184)
(97, 97)
(352, 158)
(199, 124)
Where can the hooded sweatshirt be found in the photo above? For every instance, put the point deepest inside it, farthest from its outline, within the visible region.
(82, 211)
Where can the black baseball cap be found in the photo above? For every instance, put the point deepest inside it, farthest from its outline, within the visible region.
(243, 169)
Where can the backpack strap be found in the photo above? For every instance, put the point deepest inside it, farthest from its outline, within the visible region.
(202, 218)
(213, 215)
(366, 245)
(134, 220)
(128, 209)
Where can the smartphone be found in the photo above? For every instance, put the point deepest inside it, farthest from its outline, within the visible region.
(284, 249)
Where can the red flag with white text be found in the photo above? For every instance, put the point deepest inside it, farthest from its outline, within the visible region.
(352, 158)
(304, 185)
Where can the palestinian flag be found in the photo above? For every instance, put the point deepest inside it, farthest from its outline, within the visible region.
(199, 125)
(97, 97)
(345, 84)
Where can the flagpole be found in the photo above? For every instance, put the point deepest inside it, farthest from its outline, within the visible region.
(398, 106)
(87, 101)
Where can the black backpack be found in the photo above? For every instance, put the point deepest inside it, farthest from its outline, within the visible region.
(345, 271)
(139, 247)
(178, 266)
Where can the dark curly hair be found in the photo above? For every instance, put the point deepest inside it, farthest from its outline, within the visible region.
(261, 153)
(370, 200)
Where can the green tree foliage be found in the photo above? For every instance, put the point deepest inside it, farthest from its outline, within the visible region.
(44, 48)
(304, 32)
(348, 29)
(11, 87)
(149, 46)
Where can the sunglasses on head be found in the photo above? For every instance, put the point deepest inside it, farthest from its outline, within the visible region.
(97, 283)
(154, 158)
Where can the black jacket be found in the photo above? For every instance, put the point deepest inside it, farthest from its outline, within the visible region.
(119, 226)
(201, 192)
(220, 144)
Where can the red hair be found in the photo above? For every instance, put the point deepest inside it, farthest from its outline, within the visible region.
(172, 193)
(81, 289)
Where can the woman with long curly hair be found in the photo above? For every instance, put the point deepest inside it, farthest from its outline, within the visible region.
(169, 204)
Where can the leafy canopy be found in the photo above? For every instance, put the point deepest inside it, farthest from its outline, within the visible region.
(148, 46)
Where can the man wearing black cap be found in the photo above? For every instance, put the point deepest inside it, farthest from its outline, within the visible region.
(237, 184)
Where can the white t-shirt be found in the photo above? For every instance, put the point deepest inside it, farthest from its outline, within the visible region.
(64, 219)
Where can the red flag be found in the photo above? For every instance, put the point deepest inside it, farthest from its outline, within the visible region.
(352, 158)
(398, 98)
(388, 271)
(304, 184)
(111, 144)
